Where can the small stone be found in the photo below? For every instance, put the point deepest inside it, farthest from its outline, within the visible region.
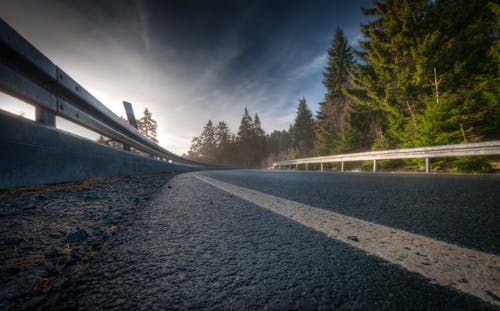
(51, 253)
(169, 187)
(77, 236)
(56, 234)
(492, 295)
(12, 240)
(28, 207)
(353, 238)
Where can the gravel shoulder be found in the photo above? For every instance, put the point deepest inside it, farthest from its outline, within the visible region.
(48, 234)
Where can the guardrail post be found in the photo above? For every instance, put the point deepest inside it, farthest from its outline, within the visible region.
(342, 166)
(307, 168)
(322, 166)
(374, 166)
(45, 116)
(427, 165)
(296, 167)
(126, 147)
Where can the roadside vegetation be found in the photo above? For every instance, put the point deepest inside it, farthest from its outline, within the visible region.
(426, 73)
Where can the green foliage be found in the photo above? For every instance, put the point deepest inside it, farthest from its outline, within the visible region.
(340, 124)
(431, 71)
(427, 73)
(473, 165)
(303, 130)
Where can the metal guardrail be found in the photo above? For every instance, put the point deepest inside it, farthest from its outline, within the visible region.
(27, 74)
(456, 150)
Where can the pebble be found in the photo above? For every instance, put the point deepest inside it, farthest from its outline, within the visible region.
(51, 253)
(57, 234)
(54, 217)
(353, 238)
(77, 236)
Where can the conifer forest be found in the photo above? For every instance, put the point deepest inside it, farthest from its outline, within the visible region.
(425, 73)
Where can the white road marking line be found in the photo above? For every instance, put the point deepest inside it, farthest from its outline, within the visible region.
(466, 270)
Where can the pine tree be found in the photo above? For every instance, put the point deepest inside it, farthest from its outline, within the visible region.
(340, 60)
(387, 81)
(223, 143)
(204, 147)
(459, 60)
(148, 126)
(246, 135)
(303, 131)
(335, 130)
(259, 142)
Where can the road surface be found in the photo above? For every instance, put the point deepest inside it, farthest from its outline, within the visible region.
(255, 239)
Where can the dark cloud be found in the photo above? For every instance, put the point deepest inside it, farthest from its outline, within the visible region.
(190, 61)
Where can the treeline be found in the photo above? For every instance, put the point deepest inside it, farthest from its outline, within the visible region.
(426, 73)
(250, 147)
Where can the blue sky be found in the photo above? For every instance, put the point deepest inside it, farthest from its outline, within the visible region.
(191, 61)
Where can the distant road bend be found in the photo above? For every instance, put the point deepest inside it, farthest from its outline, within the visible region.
(302, 240)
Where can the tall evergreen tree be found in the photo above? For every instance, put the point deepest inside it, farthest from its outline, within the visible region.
(335, 131)
(204, 147)
(223, 143)
(459, 60)
(303, 131)
(259, 142)
(388, 77)
(148, 126)
(246, 138)
(340, 60)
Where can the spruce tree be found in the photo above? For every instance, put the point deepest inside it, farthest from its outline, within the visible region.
(387, 80)
(334, 130)
(223, 143)
(246, 138)
(259, 142)
(303, 131)
(460, 61)
(148, 126)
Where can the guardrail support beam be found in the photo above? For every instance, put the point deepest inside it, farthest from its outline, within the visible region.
(342, 166)
(307, 168)
(374, 166)
(45, 116)
(296, 167)
(427, 165)
(322, 166)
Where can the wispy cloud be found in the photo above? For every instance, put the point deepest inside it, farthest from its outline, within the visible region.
(186, 71)
(316, 65)
(143, 21)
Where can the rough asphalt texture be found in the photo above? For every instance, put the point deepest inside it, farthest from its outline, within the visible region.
(459, 209)
(49, 233)
(197, 247)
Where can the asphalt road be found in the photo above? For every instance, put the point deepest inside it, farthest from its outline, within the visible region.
(195, 246)
(461, 209)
